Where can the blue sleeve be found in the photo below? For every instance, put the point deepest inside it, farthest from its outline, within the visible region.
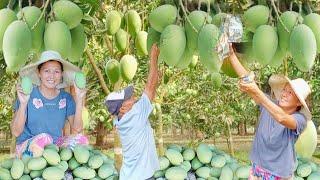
(71, 106)
(301, 124)
(144, 107)
(269, 97)
(16, 105)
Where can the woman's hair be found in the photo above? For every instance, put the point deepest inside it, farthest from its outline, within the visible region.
(308, 102)
(298, 108)
(40, 65)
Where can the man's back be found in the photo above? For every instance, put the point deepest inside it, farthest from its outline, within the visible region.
(140, 159)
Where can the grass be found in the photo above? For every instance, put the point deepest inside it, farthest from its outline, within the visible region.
(241, 151)
(4, 156)
(242, 157)
(108, 152)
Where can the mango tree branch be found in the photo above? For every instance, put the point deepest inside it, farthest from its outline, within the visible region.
(109, 44)
(278, 17)
(186, 16)
(41, 15)
(98, 72)
(240, 7)
(309, 9)
(22, 13)
(285, 63)
(216, 6)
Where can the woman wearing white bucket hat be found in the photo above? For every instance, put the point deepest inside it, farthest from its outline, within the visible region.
(41, 116)
(281, 122)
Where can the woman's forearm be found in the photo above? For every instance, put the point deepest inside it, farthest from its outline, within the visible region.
(237, 66)
(19, 120)
(276, 111)
(77, 125)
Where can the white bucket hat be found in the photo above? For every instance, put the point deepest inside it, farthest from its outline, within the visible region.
(299, 86)
(69, 69)
(307, 140)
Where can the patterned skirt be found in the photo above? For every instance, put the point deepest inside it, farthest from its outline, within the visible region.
(34, 146)
(258, 173)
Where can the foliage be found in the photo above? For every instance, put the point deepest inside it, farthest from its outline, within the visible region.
(7, 93)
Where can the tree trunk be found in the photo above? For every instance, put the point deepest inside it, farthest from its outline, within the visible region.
(194, 134)
(199, 134)
(183, 131)
(117, 143)
(231, 147)
(241, 127)
(190, 133)
(8, 136)
(160, 132)
(13, 147)
(245, 127)
(174, 131)
(101, 134)
(38, 3)
(228, 142)
(117, 149)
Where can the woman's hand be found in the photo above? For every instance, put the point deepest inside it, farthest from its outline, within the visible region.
(250, 88)
(79, 94)
(23, 98)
